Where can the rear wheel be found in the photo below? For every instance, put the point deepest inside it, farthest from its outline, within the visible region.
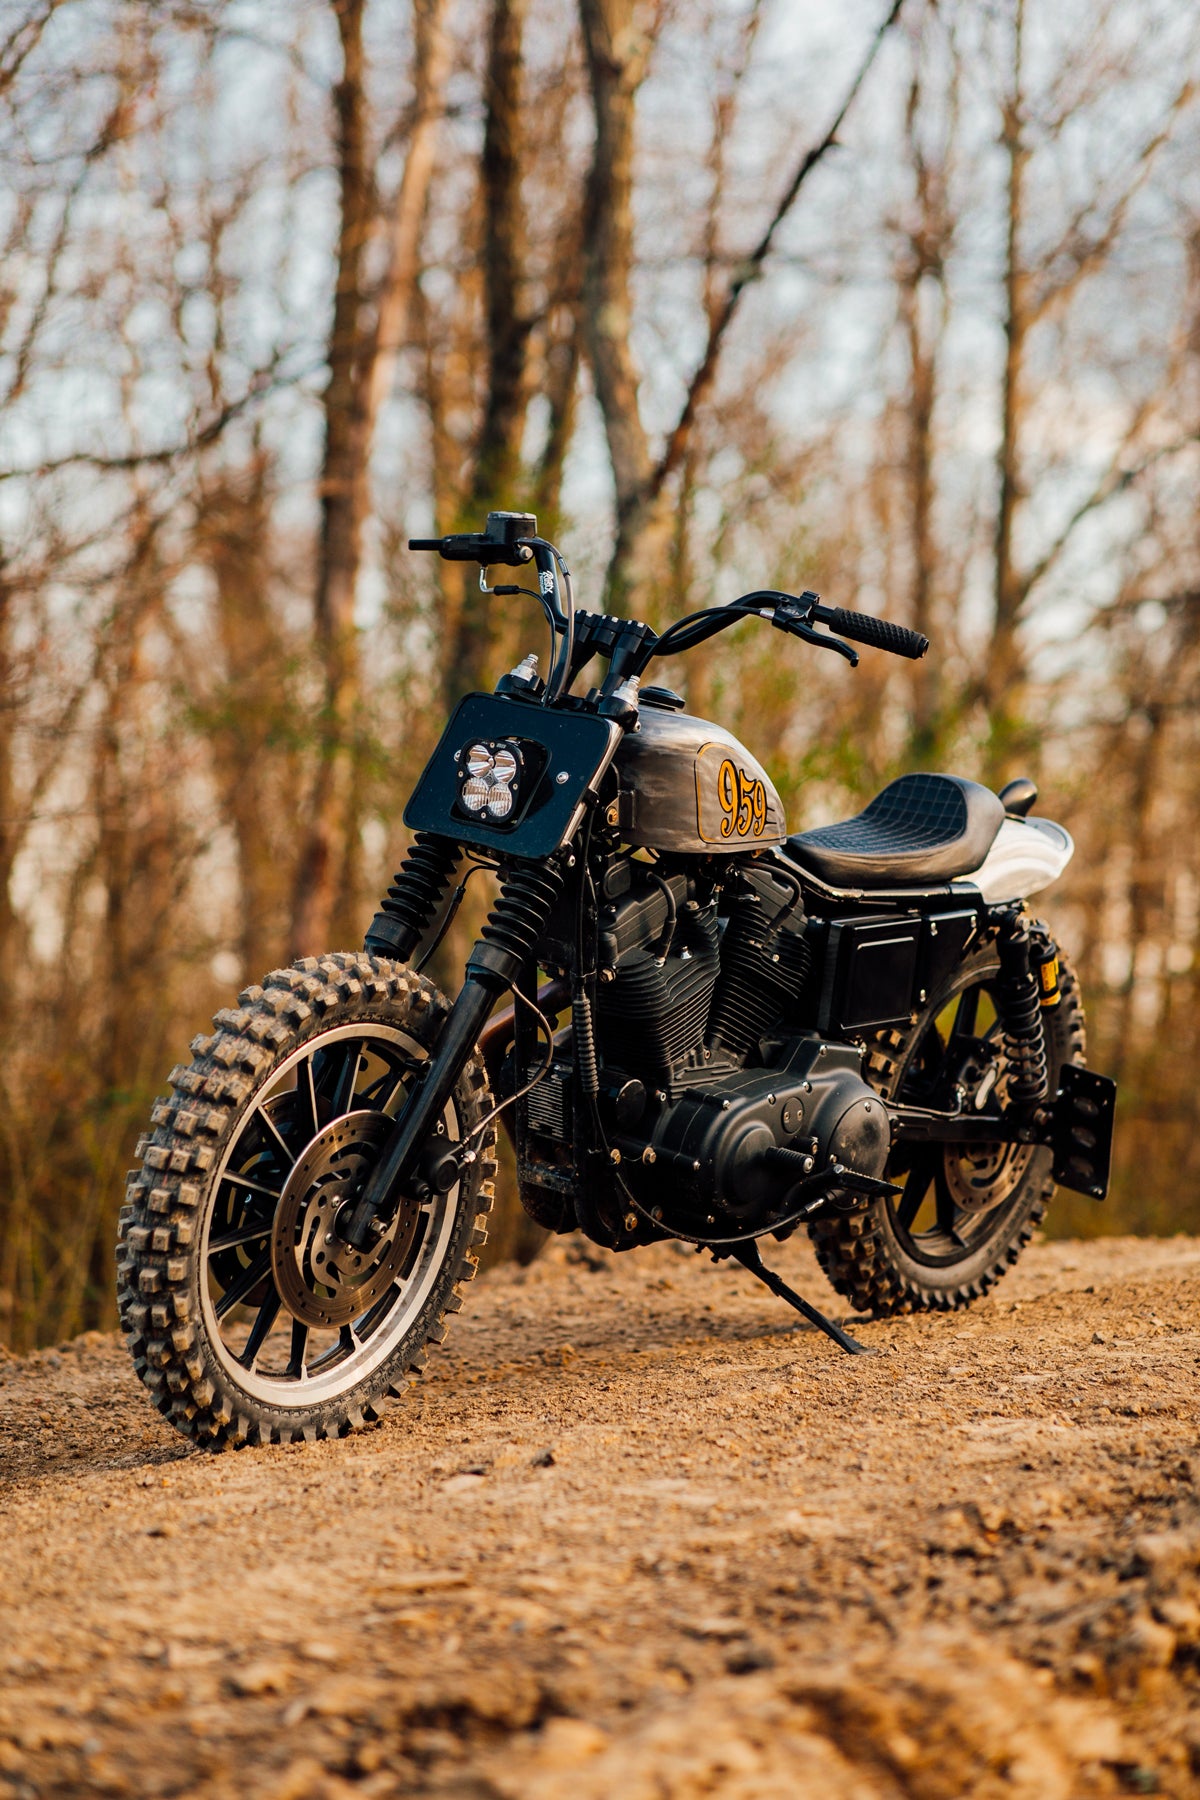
(248, 1318)
(965, 1211)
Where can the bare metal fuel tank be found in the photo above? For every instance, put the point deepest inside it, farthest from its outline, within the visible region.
(689, 786)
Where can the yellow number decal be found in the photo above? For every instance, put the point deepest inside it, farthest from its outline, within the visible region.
(743, 802)
(727, 796)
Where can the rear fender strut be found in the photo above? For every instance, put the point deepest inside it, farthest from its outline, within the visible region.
(1077, 1125)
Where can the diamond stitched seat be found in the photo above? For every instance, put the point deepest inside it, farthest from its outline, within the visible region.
(921, 828)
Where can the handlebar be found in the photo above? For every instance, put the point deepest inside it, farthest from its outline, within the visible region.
(511, 539)
(504, 541)
(474, 546)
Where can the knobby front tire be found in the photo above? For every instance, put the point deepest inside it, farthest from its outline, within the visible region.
(304, 1074)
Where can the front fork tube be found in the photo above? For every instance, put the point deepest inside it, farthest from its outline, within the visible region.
(419, 1119)
(516, 922)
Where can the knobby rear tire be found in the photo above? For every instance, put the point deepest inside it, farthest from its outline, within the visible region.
(863, 1254)
(171, 1196)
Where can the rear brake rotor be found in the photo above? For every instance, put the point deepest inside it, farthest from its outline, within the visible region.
(322, 1280)
(980, 1176)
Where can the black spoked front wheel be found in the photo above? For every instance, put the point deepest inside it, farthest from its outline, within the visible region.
(248, 1315)
(965, 1211)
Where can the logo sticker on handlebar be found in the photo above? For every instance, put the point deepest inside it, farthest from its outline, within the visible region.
(731, 803)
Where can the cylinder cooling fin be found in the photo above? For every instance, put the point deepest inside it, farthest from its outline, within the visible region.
(659, 949)
(766, 963)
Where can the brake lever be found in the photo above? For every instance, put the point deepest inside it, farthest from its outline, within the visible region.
(826, 643)
(790, 619)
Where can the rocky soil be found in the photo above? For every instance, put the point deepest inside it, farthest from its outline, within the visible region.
(637, 1535)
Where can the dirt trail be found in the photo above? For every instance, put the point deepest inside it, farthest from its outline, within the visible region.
(636, 1535)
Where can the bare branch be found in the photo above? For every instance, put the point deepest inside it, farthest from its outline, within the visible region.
(1115, 480)
(22, 41)
(752, 266)
(1086, 253)
(267, 381)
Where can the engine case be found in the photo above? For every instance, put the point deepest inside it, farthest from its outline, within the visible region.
(713, 1144)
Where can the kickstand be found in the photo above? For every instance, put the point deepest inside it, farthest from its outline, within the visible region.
(747, 1255)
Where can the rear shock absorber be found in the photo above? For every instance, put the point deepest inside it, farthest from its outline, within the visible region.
(1018, 1002)
(416, 892)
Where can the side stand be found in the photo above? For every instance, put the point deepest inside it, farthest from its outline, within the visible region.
(747, 1255)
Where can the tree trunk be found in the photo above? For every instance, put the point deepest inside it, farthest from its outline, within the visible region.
(617, 53)
(1003, 674)
(362, 358)
(924, 253)
(496, 477)
(251, 706)
(343, 506)
(10, 825)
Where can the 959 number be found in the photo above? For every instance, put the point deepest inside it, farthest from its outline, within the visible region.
(743, 802)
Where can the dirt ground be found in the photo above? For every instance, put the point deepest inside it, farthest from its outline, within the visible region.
(639, 1534)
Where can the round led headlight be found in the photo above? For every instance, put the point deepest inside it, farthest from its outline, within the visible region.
(479, 760)
(504, 766)
(500, 801)
(477, 792)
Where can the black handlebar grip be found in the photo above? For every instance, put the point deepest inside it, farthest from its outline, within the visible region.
(424, 543)
(881, 634)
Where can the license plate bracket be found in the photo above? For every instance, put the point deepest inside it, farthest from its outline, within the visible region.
(1081, 1130)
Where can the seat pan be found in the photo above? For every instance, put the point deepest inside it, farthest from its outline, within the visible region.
(918, 829)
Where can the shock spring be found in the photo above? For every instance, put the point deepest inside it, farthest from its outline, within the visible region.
(1019, 1006)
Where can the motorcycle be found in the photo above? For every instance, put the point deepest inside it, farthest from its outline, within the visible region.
(736, 1032)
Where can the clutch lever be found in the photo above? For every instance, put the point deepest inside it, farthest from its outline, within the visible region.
(793, 616)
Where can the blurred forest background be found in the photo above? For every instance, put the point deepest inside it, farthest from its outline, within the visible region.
(286, 280)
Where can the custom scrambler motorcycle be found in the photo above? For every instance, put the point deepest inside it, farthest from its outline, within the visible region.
(716, 1033)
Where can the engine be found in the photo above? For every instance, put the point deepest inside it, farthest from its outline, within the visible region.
(717, 1096)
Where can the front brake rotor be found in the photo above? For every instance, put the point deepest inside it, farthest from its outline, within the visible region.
(322, 1280)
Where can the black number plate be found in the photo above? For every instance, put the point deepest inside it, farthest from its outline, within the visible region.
(564, 756)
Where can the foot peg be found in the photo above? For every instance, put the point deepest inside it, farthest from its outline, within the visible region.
(748, 1256)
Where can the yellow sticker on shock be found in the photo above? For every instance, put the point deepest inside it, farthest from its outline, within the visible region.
(1048, 978)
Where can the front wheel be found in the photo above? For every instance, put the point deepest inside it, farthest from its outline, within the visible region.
(247, 1317)
(965, 1212)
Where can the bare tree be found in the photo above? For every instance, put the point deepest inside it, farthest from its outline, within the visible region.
(618, 45)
